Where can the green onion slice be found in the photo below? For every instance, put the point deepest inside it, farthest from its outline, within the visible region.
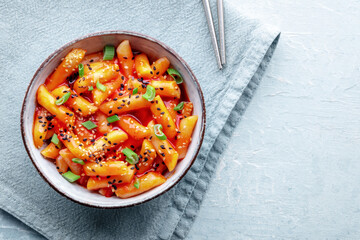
(81, 70)
(113, 118)
(137, 184)
(63, 99)
(109, 52)
(55, 140)
(175, 75)
(131, 157)
(78, 160)
(150, 93)
(135, 91)
(89, 125)
(91, 88)
(70, 176)
(100, 86)
(179, 107)
(159, 134)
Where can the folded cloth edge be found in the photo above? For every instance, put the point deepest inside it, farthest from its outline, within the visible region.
(264, 54)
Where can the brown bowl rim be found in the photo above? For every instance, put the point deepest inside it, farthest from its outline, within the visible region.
(102, 33)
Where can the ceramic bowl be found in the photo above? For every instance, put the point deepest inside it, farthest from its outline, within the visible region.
(94, 43)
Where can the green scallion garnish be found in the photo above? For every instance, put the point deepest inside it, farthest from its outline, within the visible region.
(158, 133)
(131, 157)
(81, 70)
(175, 75)
(78, 160)
(137, 184)
(70, 176)
(100, 86)
(135, 91)
(109, 52)
(179, 107)
(89, 125)
(91, 88)
(113, 118)
(63, 99)
(55, 140)
(150, 93)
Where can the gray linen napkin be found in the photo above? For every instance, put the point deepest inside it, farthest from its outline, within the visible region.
(30, 31)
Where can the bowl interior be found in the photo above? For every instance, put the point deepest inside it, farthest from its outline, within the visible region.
(94, 43)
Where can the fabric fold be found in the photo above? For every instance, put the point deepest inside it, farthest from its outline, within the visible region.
(227, 93)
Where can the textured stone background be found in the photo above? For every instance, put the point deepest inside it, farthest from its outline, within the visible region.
(292, 167)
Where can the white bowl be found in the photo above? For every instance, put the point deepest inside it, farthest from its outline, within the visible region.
(94, 43)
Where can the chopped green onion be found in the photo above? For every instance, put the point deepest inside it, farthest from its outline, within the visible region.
(131, 157)
(70, 176)
(150, 93)
(89, 125)
(63, 99)
(55, 140)
(78, 160)
(159, 134)
(137, 184)
(179, 107)
(113, 118)
(175, 75)
(135, 91)
(91, 88)
(100, 86)
(109, 52)
(81, 70)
